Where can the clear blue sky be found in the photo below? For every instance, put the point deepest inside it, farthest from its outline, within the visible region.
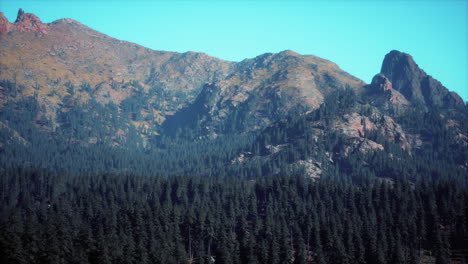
(354, 34)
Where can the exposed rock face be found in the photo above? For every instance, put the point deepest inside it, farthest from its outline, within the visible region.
(381, 93)
(381, 83)
(4, 24)
(310, 168)
(414, 83)
(393, 132)
(461, 136)
(354, 125)
(362, 145)
(25, 22)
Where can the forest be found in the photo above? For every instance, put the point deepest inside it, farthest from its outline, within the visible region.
(59, 218)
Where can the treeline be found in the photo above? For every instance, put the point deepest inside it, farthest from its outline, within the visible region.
(56, 218)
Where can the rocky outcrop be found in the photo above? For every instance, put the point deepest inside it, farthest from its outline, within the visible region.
(380, 83)
(411, 81)
(381, 93)
(354, 125)
(361, 145)
(310, 168)
(25, 22)
(393, 132)
(460, 135)
(5, 25)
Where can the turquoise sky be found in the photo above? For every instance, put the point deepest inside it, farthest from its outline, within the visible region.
(354, 34)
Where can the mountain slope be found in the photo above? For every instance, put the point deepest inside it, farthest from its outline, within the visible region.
(350, 138)
(261, 91)
(67, 50)
(65, 64)
(379, 130)
(74, 99)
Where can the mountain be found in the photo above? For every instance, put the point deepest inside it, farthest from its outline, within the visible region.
(65, 63)
(408, 115)
(80, 91)
(64, 51)
(263, 90)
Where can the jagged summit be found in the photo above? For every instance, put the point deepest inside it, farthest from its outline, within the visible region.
(4, 24)
(25, 22)
(20, 16)
(417, 86)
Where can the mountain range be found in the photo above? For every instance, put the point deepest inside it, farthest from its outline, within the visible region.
(66, 84)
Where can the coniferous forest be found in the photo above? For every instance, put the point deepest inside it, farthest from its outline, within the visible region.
(57, 218)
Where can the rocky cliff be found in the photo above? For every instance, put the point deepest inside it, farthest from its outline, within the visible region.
(417, 86)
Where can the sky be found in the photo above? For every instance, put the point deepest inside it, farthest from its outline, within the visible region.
(356, 35)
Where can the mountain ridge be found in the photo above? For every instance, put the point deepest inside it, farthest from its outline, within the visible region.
(82, 89)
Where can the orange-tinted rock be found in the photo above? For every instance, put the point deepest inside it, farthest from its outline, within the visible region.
(27, 22)
(56, 56)
(381, 83)
(354, 125)
(4, 24)
(381, 93)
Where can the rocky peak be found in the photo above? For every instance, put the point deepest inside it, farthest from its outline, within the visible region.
(4, 24)
(289, 53)
(20, 16)
(25, 22)
(381, 83)
(417, 86)
(403, 73)
(381, 92)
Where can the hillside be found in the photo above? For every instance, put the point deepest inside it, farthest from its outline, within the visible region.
(65, 64)
(67, 90)
(263, 90)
